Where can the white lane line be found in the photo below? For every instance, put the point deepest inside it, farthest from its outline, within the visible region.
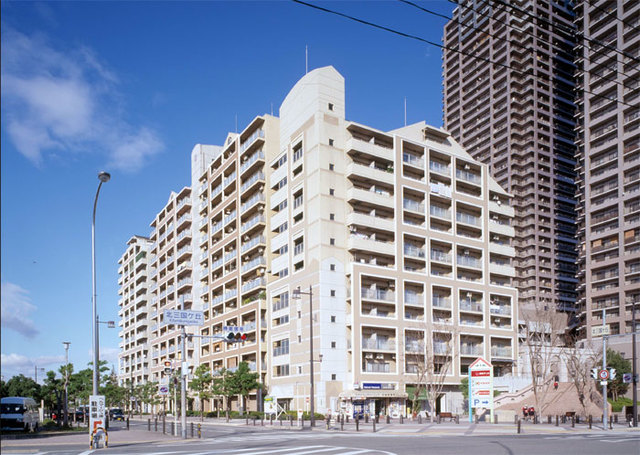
(316, 449)
(87, 452)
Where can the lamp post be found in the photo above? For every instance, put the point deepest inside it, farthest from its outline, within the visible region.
(66, 381)
(296, 295)
(103, 177)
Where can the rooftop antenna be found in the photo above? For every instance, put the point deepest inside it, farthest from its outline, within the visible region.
(306, 59)
(236, 123)
(405, 111)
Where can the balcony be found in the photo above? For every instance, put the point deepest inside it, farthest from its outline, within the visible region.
(377, 294)
(378, 345)
(468, 219)
(373, 222)
(371, 197)
(370, 173)
(370, 245)
(468, 177)
(469, 261)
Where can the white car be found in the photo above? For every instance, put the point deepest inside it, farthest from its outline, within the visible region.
(19, 413)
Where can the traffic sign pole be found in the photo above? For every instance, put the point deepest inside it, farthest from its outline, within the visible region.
(604, 367)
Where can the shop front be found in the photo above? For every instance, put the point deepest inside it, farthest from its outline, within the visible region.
(371, 399)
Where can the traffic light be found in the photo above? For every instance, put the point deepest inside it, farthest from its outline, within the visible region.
(594, 373)
(235, 336)
(168, 367)
(612, 373)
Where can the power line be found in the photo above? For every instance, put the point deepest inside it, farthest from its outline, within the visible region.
(493, 35)
(440, 46)
(566, 29)
(610, 14)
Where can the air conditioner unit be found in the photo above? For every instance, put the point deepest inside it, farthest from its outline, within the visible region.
(467, 167)
(368, 356)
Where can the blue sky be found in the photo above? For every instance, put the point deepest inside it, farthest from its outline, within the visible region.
(130, 88)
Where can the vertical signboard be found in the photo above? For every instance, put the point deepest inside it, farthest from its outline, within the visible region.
(480, 386)
(96, 414)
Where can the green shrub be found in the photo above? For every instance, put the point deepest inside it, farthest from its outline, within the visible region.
(617, 406)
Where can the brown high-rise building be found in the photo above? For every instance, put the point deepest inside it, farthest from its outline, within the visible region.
(517, 116)
(609, 162)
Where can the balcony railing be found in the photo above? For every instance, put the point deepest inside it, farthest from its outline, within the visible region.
(380, 345)
(378, 294)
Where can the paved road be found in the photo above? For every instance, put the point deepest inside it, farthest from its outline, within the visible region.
(243, 440)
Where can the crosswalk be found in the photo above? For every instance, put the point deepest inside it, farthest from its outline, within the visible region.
(262, 450)
(609, 439)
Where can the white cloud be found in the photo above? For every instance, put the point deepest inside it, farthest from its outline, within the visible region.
(67, 100)
(16, 310)
(13, 364)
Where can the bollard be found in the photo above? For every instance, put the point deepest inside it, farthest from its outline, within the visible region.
(377, 419)
(590, 421)
(495, 418)
(246, 420)
(173, 428)
(366, 418)
(611, 422)
(155, 424)
(577, 419)
(271, 419)
(148, 424)
(477, 419)
(420, 419)
(254, 421)
(127, 423)
(192, 429)
(458, 420)
(374, 425)
(515, 419)
(328, 422)
(518, 425)
(291, 421)
(615, 418)
(549, 419)
(342, 424)
(262, 421)
(347, 418)
(199, 431)
(556, 420)
(401, 419)
(164, 425)
(573, 422)
(280, 422)
(357, 424)
(388, 418)
(302, 423)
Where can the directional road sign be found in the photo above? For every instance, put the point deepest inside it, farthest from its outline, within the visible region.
(184, 317)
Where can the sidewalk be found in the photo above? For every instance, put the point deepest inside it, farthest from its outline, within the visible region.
(464, 428)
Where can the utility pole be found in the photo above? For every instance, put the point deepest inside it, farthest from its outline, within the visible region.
(635, 372)
(66, 381)
(183, 379)
(604, 367)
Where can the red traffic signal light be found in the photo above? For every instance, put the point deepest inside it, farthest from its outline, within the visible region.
(240, 336)
(168, 366)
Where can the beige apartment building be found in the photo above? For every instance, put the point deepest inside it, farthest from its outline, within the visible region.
(401, 237)
(517, 116)
(171, 281)
(609, 163)
(133, 279)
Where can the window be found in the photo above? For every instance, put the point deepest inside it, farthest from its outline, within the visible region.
(333, 345)
(332, 216)
(332, 241)
(332, 192)
(331, 167)
(281, 320)
(333, 292)
(299, 370)
(281, 370)
(332, 267)
(281, 301)
(283, 227)
(333, 319)
(281, 347)
(331, 142)
(283, 249)
(333, 377)
(299, 314)
(283, 273)
(300, 339)
(330, 106)
(281, 183)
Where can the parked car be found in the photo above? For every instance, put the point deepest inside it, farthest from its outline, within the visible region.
(19, 413)
(116, 414)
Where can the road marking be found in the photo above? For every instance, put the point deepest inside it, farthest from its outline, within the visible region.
(87, 452)
(291, 449)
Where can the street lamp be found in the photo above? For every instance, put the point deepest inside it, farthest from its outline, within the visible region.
(296, 295)
(103, 177)
(66, 381)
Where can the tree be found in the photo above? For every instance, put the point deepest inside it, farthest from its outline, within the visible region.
(201, 385)
(23, 386)
(113, 393)
(579, 362)
(148, 393)
(52, 392)
(244, 382)
(4, 391)
(224, 386)
(543, 345)
(429, 356)
(616, 387)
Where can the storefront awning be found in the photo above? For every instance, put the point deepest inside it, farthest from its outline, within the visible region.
(369, 394)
